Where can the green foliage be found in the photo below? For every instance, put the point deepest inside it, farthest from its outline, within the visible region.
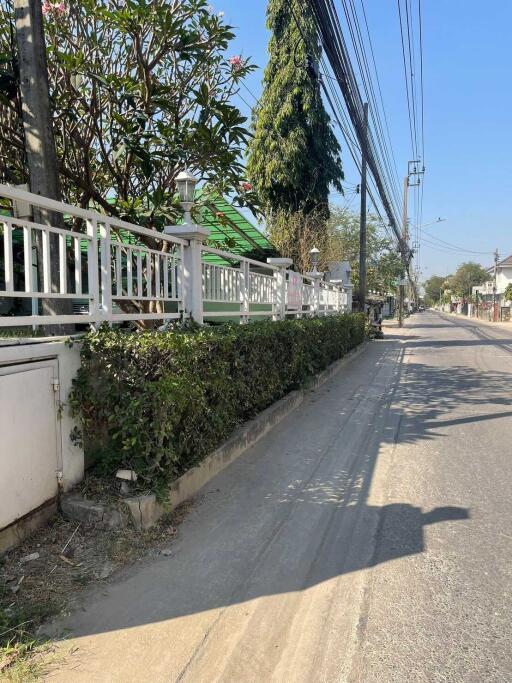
(508, 292)
(157, 402)
(433, 287)
(384, 265)
(295, 234)
(294, 156)
(139, 90)
(467, 276)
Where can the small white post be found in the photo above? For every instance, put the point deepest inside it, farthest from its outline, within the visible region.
(349, 298)
(279, 303)
(93, 286)
(63, 269)
(192, 283)
(316, 277)
(245, 280)
(316, 296)
(8, 258)
(106, 275)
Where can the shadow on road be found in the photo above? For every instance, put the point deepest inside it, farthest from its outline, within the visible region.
(457, 342)
(293, 512)
(428, 395)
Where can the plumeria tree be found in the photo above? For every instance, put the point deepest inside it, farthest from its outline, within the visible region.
(139, 89)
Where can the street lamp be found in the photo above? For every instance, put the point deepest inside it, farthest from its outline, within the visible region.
(186, 186)
(425, 225)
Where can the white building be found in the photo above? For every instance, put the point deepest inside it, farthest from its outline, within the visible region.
(503, 279)
(490, 292)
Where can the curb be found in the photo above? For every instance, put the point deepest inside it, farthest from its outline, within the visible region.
(146, 511)
(498, 325)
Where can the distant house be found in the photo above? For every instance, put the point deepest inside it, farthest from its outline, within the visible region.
(485, 292)
(489, 298)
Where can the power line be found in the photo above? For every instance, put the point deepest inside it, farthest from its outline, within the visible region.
(448, 246)
(420, 21)
(410, 43)
(250, 93)
(356, 161)
(335, 48)
(364, 70)
(406, 80)
(379, 89)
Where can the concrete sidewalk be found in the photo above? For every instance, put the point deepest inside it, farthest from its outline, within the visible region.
(266, 579)
(365, 539)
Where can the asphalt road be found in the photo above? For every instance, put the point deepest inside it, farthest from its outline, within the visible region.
(367, 538)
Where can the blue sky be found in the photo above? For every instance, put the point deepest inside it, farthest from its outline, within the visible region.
(468, 151)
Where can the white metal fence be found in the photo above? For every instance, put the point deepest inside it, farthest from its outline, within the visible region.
(104, 269)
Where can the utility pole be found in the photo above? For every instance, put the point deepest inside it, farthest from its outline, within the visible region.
(362, 223)
(38, 130)
(405, 234)
(494, 287)
(37, 125)
(412, 170)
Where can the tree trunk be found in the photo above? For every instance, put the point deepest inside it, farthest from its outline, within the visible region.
(39, 140)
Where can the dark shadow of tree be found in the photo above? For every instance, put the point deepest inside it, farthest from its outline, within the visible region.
(428, 397)
(277, 531)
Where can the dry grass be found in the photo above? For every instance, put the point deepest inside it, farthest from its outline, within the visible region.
(32, 592)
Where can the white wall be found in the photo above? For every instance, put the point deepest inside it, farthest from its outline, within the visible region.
(503, 278)
(37, 456)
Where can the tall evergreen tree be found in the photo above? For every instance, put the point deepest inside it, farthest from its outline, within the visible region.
(294, 156)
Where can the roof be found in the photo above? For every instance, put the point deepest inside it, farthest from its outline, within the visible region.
(506, 262)
(232, 231)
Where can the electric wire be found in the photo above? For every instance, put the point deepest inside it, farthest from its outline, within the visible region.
(359, 47)
(336, 50)
(406, 78)
(410, 43)
(379, 89)
(450, 245)
(422, 99)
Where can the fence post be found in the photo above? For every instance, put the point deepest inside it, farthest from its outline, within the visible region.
(316, 296)
(92, 271)
(316, 276)
(245, 283)
(279, 305)
(106, 275)
(192, 283)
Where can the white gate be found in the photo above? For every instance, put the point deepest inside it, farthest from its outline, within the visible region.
(30, 444)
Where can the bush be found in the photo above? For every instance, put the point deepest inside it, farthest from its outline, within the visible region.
(158, 402)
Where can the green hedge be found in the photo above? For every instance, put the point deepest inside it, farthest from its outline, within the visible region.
(158, 402)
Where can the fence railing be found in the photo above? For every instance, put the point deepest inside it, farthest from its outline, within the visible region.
(63, 264)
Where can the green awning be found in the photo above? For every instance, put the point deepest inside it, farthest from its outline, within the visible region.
(232, 231)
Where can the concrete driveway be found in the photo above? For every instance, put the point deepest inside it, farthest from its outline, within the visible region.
(366, 538)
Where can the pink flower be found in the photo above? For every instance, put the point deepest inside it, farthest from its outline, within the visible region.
(246, 186)
(55, 8)
(236, 62)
